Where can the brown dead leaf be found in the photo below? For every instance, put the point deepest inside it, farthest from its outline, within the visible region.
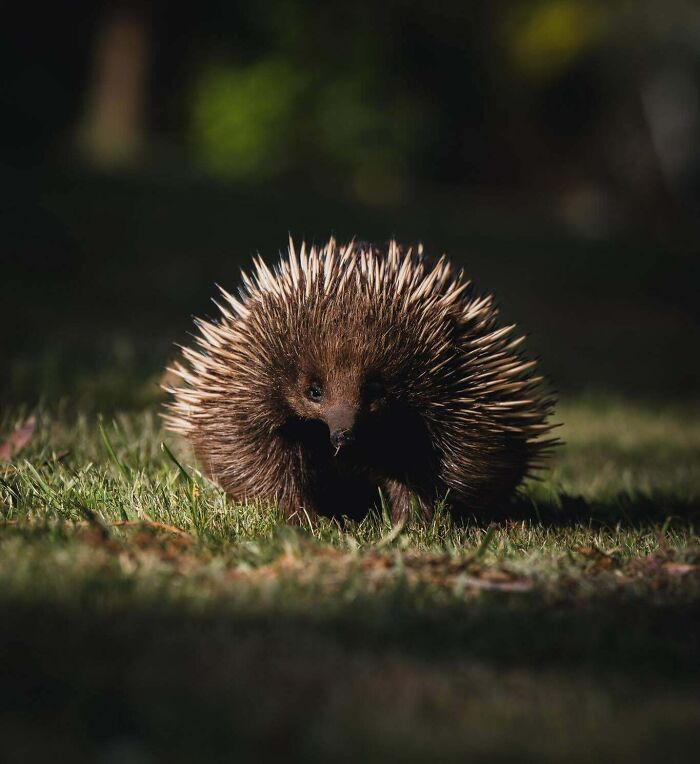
(18, 440)
(97, 537)
(152, 524)
(679, 568)
(498, 576)
(513, 585)
(598, 559)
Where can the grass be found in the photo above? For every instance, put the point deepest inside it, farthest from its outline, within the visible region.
(143, 616)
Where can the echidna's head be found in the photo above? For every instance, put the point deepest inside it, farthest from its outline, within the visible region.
(344, 398)
(346, 391)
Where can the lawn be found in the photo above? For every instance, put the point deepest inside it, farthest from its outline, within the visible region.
(143, 617)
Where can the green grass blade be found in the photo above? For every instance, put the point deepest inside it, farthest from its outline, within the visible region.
(485, 542)
(126, 472)
(183, 472)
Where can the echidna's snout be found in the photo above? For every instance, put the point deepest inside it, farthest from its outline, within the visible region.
(340, 438)
(341, 420)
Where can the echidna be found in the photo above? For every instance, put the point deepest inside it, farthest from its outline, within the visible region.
(348, 370)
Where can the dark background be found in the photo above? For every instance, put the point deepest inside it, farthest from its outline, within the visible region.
(552, 147)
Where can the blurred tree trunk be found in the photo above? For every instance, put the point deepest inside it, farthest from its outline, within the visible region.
(113, 127)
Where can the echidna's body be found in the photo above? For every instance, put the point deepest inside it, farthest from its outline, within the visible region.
(348, 370)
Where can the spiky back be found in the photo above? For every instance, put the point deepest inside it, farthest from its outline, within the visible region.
(437, 345)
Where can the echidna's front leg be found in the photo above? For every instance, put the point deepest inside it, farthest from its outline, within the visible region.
(300, 505)
(402, 500)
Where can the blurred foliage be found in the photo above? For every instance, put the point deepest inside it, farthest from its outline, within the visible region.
(545, 93)
(568, 99)
(544, 38)
(323, 92)
(243, 118)
(257, 121)
(369, 135)
(261, 118)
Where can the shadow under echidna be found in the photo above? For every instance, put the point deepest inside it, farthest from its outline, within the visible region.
(348, 370)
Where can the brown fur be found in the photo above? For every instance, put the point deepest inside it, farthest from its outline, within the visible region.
(349, 370)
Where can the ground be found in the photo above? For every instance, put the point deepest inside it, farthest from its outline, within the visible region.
(144, 617)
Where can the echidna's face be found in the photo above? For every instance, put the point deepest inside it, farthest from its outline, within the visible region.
(345, 400)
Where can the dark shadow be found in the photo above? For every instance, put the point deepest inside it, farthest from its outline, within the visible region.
(625, 510)
(191, 682)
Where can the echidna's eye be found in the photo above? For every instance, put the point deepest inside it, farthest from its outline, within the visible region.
(315, 393)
